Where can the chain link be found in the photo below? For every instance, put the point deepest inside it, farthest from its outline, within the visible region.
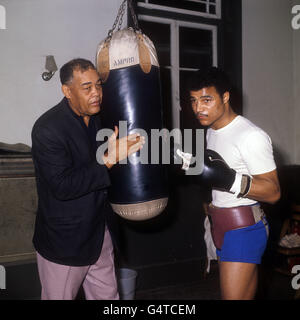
(134, 17)
(119, 19)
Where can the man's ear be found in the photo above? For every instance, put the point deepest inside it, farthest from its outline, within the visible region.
(66, 91)
(226, 97)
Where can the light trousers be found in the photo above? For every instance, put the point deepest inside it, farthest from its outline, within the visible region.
(60, 282)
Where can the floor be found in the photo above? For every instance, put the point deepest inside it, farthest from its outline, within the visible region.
(23, 284)
(272, 286)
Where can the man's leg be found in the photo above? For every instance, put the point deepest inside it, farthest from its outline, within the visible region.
(238, 280)
(59, 282)
(100, 282)
(239, 256)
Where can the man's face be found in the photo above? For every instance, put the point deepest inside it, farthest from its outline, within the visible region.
(84, 92)
(209, 107)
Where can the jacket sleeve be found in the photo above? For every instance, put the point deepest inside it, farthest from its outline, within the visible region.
(55, 166)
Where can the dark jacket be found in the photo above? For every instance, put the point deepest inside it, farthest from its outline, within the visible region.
(72, 190)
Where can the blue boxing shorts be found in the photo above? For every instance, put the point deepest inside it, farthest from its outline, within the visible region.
(244, 245)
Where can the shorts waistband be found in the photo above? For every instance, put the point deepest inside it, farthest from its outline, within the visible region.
(227, 219)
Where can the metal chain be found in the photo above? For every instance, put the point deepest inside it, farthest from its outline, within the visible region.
(121, 14)
(119, 19)
(134, 17)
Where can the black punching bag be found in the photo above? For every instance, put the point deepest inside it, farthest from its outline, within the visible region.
(129, 69)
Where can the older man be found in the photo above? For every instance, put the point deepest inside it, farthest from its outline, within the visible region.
(75, 224)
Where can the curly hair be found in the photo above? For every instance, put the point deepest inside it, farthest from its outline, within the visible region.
(209, 77)
(66, 71)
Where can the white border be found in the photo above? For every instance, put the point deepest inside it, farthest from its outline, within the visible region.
(218, 15)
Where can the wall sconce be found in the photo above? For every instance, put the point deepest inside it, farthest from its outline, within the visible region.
(51, 67)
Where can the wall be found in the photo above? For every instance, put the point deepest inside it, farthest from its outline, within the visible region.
(36, 28)
(18, 203)
(268, 72)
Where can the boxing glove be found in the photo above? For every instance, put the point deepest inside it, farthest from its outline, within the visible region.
(218, 175)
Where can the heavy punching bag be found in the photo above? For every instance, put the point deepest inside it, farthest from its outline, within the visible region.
(128, 66)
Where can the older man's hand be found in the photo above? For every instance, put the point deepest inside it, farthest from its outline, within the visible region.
(120, 149)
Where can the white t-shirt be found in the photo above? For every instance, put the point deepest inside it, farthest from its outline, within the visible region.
(247, 149)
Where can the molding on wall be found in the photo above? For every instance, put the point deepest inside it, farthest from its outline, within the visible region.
(18, 258)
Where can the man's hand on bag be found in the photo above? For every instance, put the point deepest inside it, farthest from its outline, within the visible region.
(120, 149)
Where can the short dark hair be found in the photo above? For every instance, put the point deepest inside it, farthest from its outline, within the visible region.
(209, 77)
(66, 71)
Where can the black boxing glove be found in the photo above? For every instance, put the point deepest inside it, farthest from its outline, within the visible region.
(218, 175)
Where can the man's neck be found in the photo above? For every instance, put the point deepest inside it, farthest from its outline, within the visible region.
(228, 117)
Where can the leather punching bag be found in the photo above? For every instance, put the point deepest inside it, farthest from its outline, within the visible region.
(128, 66)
